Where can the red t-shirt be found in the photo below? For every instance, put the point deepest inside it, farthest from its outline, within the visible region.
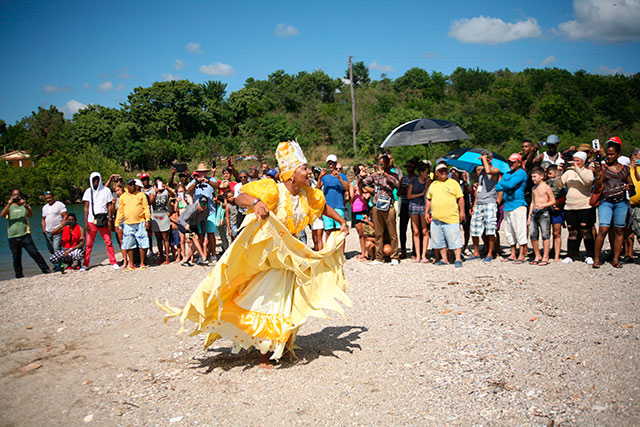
(71, 236)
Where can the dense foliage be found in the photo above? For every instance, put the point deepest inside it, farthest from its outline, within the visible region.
(188, 121)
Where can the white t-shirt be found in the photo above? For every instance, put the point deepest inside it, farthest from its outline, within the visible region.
(100, 199)
(52, 214)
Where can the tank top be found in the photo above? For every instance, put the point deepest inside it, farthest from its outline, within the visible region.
(614, 184)
(417, 188)
(358, 204)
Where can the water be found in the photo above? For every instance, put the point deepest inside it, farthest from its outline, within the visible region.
(29, 266)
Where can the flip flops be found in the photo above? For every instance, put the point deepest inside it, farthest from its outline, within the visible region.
(543, 263)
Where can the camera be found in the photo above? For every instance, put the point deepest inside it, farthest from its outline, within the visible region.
(316, 169)
(180, 167)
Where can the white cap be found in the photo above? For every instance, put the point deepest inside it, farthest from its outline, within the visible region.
(332, 158)
(624, 160)
(440, 166)
(139, 183)
(580, 155)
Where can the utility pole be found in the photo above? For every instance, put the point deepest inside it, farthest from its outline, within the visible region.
(353, 107)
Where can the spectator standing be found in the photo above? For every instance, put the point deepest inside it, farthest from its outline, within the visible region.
(119, 190)
(484, 214)
(613, 180)
(53, 214)
(556, 212)
(404, 207)
(513, 185)
(359, 207)
(134, 218)
(17, 212)
(204, 185)
(635, 199)
(334, 185)
(579, 214)
(552, 156)
(72, 241)
(98, 211)
(382, 183)
(160, 222)
(416, 194)
(540, 217)
(445, 211)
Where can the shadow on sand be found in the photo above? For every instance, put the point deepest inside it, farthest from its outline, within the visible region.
(327, 343)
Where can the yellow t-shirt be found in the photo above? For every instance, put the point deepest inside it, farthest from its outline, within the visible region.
(444, 197)
(133, 208)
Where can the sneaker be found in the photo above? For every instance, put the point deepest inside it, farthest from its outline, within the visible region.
(567, 260)
(376, 262)
(186, 264)
(115, 266)
(395, 262)
(487, 259)
(458, 264)
(83, 268)
(588, 260)
(202, 263)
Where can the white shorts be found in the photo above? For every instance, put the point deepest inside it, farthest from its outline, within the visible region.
(318, 224)
(515, 226)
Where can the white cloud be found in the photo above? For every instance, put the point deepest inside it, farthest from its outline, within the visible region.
(379, 67)
(217, 69)
(193, 47)
(53, 88)
(105, 86)
(487, 30)
(169, 77)
(606, 20)
(179, 65)
(345, 81)
(72, 107)
(283, 30)
(119, 87)
(612, 71)
(549, 60)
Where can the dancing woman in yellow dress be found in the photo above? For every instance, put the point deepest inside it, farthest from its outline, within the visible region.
(268, 283)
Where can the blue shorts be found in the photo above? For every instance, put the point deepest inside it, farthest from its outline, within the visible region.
(616, 212)
(211, 223)
(330, 223)
(445, 235)
(175, 237)
(557, 217)
(134, 235)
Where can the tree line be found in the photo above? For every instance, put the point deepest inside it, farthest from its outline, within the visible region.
(182, 120)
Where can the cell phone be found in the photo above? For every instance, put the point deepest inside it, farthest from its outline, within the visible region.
(595, 144)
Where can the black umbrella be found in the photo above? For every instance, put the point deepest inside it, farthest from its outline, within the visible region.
(424, 131)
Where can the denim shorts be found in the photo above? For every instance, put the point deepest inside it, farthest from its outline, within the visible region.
(615, 213)
(540, 224)
(134, 235)
(330, 223)
(445, 235)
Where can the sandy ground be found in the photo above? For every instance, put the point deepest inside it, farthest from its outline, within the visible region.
(490, 344)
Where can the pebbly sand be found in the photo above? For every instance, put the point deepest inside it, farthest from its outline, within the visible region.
(497, 344)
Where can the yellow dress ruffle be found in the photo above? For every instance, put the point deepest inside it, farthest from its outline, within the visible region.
(268, 283)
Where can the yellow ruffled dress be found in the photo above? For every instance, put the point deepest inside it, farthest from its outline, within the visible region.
(268, 283)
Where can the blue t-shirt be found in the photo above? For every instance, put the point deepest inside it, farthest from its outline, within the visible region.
(204, 189)
(513, 185)
(333, 191)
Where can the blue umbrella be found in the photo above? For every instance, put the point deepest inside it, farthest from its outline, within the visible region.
(468, 158)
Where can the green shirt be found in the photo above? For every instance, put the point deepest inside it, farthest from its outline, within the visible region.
(18, 221)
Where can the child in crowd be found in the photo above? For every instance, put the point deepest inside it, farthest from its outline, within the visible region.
(119, 190)
(557, 210)
(540, 217)
(176, 238)
(360, 207)
(221, 215)
(231, 216)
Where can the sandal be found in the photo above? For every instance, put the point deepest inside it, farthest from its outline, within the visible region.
(616, 265)
(543, 263)
(595, 265)
(509, 259)
(534, 262)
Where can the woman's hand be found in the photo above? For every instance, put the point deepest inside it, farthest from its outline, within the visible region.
(261, 209)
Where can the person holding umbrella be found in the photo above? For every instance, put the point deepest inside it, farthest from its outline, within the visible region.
(513, 185)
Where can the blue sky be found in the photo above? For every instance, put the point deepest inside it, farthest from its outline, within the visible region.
(74, 53)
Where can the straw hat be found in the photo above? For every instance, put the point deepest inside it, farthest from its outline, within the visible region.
(202, 167)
